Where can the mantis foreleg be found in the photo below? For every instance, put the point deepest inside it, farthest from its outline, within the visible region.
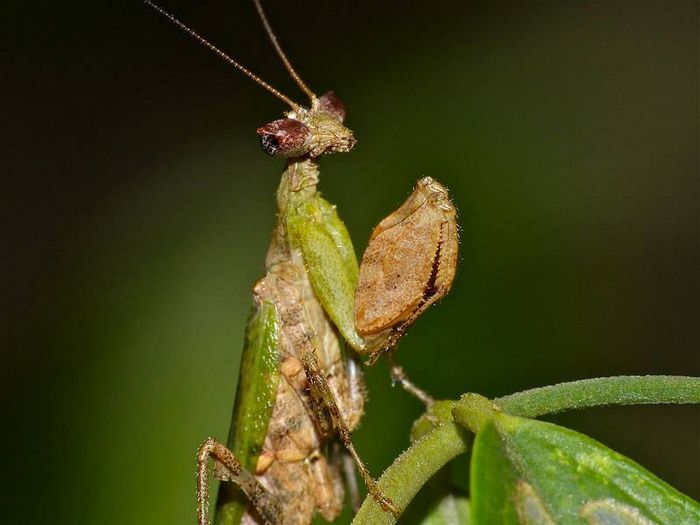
(228, 468)
(324, 398)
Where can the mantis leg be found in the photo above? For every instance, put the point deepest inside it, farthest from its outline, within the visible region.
(323, 397)
(350, 475)
(398, 375)
(228, 468)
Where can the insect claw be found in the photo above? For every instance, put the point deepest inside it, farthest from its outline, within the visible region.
(387, 505)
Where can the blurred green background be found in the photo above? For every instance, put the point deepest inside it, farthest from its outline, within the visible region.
(138, 206)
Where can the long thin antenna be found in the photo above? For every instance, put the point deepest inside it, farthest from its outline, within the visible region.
(223, 55)
(278, 48)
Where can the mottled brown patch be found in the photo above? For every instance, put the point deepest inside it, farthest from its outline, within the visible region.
(409, 264)
(291, 367)
(293, 465)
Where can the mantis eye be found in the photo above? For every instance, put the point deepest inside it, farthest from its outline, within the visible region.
(331, 104)
(285, 137)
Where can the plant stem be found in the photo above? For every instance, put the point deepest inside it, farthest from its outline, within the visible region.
(620, 390)
(409, 472)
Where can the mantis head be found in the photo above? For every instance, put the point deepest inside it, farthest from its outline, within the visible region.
(313, 132)
(304, 132)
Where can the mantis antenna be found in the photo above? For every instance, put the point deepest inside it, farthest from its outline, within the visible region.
(280, 52)
(235, 64)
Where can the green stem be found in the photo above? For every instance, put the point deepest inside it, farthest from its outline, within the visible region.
(621, 390)
(409, 472)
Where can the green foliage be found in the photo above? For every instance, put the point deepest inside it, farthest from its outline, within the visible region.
(525, 471)
(448, 510)
(529, 472)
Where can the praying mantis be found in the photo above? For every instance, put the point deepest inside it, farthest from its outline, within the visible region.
(299, 385)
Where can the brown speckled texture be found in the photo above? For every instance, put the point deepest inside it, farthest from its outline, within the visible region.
(409, 264)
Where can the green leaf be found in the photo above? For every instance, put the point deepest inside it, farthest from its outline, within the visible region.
(450, 509)
(525, 471)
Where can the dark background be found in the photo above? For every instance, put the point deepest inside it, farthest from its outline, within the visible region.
(137, 207)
